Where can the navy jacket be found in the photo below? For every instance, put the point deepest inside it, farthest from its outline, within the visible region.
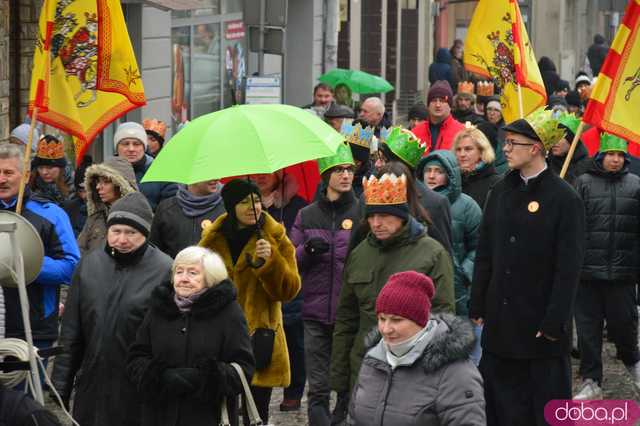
(61, 254)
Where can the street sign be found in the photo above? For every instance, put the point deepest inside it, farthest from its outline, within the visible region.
(275, 13)
(263, 90)
(273, 40)
(234, 30)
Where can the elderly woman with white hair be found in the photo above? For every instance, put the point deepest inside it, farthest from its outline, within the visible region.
(476, 158)
(194, 330)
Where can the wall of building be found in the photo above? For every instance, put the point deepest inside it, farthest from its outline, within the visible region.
(4, 70)
(304, 51)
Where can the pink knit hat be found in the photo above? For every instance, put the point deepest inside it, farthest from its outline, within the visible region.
(407, 295)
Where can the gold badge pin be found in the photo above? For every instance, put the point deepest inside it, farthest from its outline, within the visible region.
(347, 224)
(533, 207)
(205, 223)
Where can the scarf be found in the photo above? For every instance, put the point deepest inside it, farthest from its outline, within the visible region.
(126, 259)
(184, 304)
(397, 351)
(194, 205)
(238, 237)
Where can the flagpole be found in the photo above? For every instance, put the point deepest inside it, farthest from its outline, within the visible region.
(521, 108)
(574, 144)
(27, 160)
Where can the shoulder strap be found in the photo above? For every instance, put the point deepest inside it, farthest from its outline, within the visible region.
(252, 410)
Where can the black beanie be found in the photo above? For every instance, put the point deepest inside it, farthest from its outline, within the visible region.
(398, 210)
(235, 191)
(133, 210)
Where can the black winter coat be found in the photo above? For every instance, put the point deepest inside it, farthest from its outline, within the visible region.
(106, 305)
(528, 265)
(477, 184)
(612, 205)
(211, 336)
(172, 230)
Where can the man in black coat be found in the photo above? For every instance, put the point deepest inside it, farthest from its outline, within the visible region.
(607, 289)
(179, 220)
(526, 273)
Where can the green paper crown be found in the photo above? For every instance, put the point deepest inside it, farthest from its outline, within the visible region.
(609, 142)
(405, 145)
(342, 156)
(545, 126)
(570, 121)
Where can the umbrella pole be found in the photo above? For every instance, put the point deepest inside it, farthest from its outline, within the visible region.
(259, 261)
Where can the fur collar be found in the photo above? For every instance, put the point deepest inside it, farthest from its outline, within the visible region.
(209, 304)
(453, 341)
(124, 179)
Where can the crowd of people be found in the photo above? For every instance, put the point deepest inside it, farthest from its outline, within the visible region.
(430, 280)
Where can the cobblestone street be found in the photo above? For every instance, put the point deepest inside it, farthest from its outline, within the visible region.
(617, 385)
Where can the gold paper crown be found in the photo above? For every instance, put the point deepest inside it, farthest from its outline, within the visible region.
(154, 125)
(357, 135)
(546, 127)
(389, 189)
(485, 88)
(465, 87)
(49, 148)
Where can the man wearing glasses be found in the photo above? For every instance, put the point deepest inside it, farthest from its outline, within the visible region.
(526, 273)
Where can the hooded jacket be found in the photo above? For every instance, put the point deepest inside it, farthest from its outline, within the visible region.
(107, 303)
(441, 69)
(367, 270)
(209, 337)
(262, 290)
(580, 163)
(465, 224)
(612, 205)
(434, 384)
(118, 171)
(61, 256)
(321, 274)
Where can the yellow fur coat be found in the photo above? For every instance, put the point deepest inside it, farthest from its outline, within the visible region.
(261, 291)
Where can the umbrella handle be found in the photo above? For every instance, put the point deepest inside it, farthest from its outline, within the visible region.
(259, 261)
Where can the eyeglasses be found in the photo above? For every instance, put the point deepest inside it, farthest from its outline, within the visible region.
(341, 170)
(510, 143)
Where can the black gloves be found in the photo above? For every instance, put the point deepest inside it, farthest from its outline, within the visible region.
(316, 245)
(182, 381)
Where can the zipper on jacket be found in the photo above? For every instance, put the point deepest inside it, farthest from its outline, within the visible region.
(333, 241)
(386, 395)
(612, 226)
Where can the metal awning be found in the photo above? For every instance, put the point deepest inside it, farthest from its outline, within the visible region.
(170, 4)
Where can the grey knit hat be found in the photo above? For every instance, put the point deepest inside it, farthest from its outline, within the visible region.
(133, 210)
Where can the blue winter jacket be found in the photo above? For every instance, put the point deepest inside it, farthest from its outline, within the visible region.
(441, 68)
(466, 215)
(61, 254)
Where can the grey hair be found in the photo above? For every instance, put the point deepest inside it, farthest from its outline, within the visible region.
(9, 151)
(212, 264)
(377, 104)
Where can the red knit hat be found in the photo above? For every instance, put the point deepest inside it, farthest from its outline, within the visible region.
(440, 89)
(407, 295)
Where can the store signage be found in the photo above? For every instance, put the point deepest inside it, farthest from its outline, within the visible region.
(263, 90)
(234, 30)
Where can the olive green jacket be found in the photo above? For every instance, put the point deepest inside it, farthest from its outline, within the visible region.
(367, 270)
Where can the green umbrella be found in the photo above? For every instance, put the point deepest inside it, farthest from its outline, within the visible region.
(358, 81)
(243, 140)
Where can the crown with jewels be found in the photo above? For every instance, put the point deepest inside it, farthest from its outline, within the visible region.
(485, 88)
(546, 127)
(405, 145)
(154, 125)
(465, 87)
(357, 135)
(388, 190)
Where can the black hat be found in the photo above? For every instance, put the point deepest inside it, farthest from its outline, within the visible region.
(78, 178)
(133, 210)
(555, 100)
(522, 127)
(418, 111)
(339, 111)
(573, 98)
(235, 191)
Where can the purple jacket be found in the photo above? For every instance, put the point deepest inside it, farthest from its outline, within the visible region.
(322, 273)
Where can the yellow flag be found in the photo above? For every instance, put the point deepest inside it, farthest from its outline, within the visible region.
(615, 99)
(85, 74)
(498, 48)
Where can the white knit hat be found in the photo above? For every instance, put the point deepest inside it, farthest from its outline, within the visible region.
(132, 130)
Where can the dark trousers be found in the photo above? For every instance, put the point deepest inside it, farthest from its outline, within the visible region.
(294, 332)
(516, 390)
(615, 303)
(262, 398)
(317, 339)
